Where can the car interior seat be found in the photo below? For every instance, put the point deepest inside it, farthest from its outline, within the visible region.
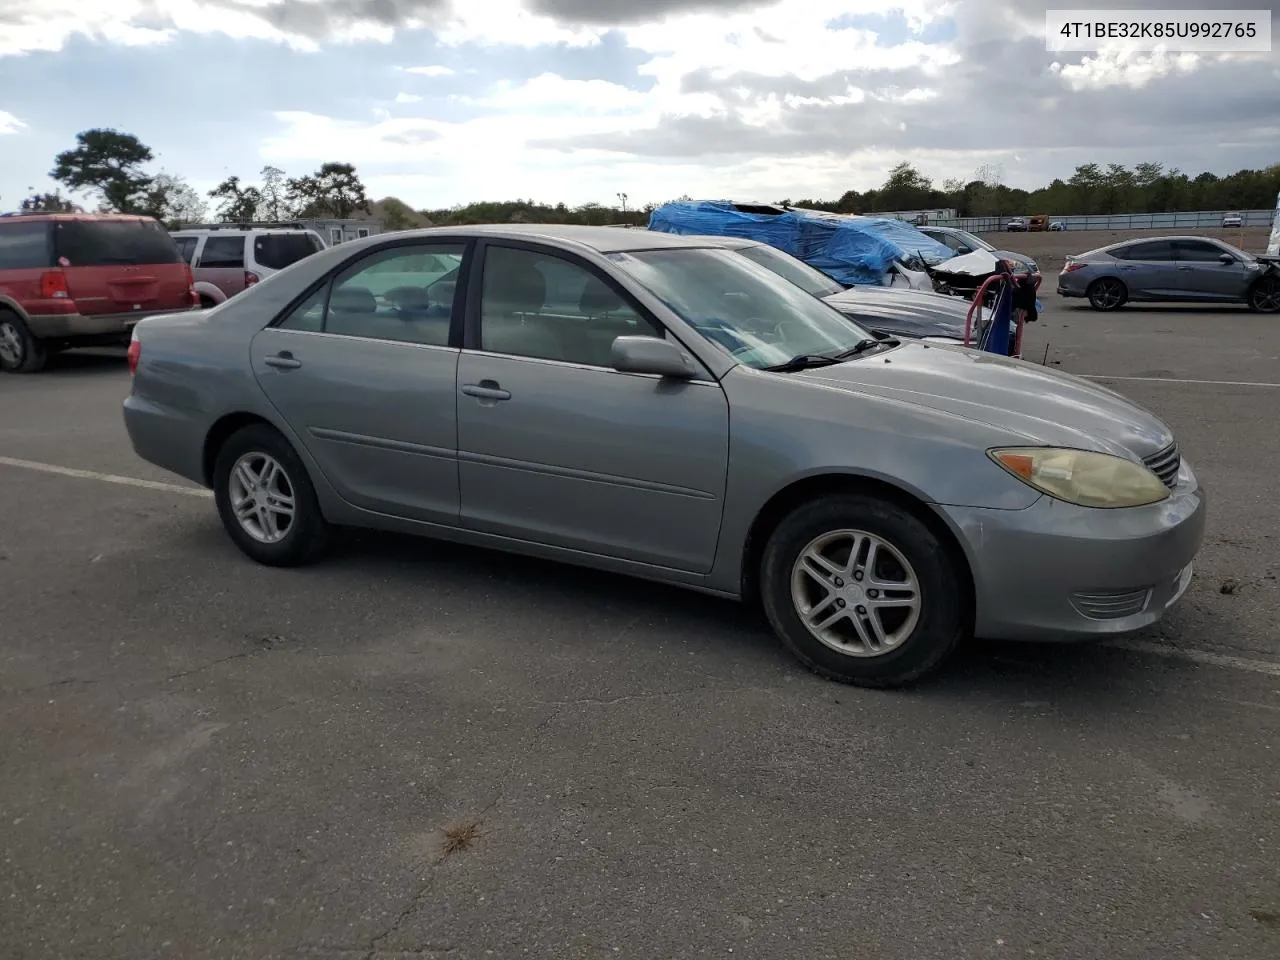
(510, 321)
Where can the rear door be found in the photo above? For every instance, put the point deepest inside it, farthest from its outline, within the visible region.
(25, 254)
(1148, 269)
(220, 261)
(1203, 276)
(121, 266)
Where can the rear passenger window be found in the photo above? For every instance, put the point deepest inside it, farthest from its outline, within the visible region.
(275, 251)
(405, 294)
(25, 246)
(186, 247)
(224, 252)
(1154, 250)
(543, 306)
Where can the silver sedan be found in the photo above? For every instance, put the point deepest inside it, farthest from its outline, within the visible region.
(1171, 269)
(647, 404)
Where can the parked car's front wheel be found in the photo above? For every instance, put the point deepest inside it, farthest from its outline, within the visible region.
(862, 591)
(20, 352)
(1107, 294)
(266, 501)
(1264, 296)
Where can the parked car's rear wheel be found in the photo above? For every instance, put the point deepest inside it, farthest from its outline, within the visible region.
(20, 352)
(1107, 293)
(1264, 296)
(862, 591)
(266, 500)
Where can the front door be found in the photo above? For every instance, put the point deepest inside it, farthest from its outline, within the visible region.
(364, 373)
(557, 447)
(1203, 276)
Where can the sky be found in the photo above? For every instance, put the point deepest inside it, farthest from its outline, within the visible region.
(444, 102)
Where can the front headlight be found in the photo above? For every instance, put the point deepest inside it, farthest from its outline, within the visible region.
(1083, 477)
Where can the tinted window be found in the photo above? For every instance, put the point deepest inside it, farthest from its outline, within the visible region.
(279, 250)
(186, 247)
(227, 252)
(1152, 250)
(101, 243)
(1199, 251)
(24, 246)
(540, 305)
(805, 277)
(388, 296)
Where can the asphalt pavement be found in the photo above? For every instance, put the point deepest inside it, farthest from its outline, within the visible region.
(423, 750)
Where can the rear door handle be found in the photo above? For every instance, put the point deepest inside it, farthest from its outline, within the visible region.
(486, 390)
(284, 360)
(1184, 268)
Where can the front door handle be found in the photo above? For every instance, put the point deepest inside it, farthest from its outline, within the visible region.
(1185, 268)
(284, 360)
(486, 390)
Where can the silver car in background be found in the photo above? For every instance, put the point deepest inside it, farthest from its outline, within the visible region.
(887, 311)
(1171, 269)
(647, 404)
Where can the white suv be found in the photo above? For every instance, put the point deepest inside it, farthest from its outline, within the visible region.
(228, 258)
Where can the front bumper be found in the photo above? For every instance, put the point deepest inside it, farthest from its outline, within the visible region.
(1059, 572)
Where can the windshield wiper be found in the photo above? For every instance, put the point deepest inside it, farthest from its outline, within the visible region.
(805, 361)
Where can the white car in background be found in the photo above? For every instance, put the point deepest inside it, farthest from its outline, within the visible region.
(228, 258)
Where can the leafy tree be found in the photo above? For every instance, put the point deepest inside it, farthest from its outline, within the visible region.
(398, 215)
(274, 191)
(108, 163)
(334, 190)
(172, 200)
(238, 203)
(48, 203)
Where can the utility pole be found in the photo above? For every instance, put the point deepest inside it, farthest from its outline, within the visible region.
(623, 198)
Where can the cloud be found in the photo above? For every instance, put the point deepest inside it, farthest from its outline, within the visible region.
(408, 98)
(9, 123)
(433, 70)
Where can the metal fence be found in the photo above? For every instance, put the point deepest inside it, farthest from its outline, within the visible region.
(1194, 220)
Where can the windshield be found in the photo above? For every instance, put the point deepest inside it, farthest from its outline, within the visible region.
(973, 240)
(748, 310)
(807, 278)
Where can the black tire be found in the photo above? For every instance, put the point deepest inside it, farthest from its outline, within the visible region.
(307, 534)
(16, 337)
(1264, 295)
(942, 621)
(1106, 294)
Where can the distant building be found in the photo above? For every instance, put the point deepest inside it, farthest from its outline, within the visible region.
(920, 217)
(335, 231)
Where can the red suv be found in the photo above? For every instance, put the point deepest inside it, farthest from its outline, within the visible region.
(82, 280)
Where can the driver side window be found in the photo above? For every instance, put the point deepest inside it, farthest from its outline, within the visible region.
(535, 304)
(404, 294)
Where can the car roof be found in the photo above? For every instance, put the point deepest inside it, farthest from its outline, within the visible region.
(40, 215)
(600, 239)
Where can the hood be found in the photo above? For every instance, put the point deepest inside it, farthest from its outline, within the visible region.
(1034, 404)
(1015, 257)
(903, 311)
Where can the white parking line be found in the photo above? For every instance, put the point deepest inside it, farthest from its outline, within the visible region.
(104, 477)
(1213, 383)
(1269, 668)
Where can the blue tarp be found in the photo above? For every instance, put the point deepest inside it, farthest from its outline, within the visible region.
(851, 250)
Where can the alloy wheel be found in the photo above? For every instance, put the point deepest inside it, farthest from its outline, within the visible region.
(12, 348)
(262, 498)
(1108, 295)
(856, 593)
(1265, 297)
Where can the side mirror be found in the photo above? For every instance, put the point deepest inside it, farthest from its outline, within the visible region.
(651, 355)
(1226, 258)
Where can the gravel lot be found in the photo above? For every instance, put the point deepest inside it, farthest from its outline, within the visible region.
(418, 750)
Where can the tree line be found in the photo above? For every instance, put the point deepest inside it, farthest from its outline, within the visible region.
(111, 167)
(1093, 189)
